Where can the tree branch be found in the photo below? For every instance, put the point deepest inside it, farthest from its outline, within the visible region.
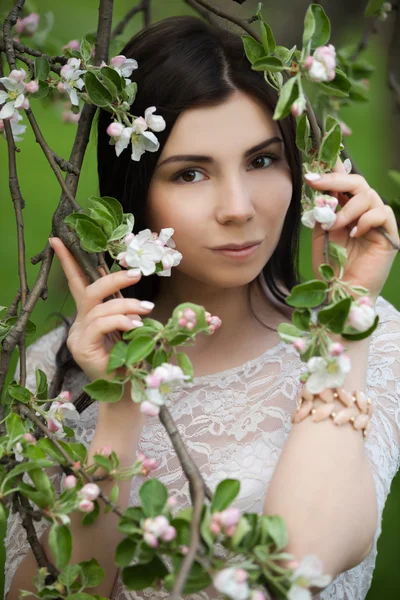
(219, 12)
(143, 6)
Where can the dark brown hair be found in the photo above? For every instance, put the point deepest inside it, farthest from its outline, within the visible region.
(183, 63)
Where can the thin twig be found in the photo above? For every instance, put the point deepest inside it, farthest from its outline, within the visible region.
(219, 12)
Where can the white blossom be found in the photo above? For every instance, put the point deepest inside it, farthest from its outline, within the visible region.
(124, 66)
(154, 122)
(308, 574)
(321, 66)
(232, 583)
(327, 373)
(361, 317)
(57, 413)
(322, 211)
(16, 129)
(71, 73)
(143, 253)
(14, 96)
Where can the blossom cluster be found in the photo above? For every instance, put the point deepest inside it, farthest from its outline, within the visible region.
(321, 66)
(146, 249)
(158, 529)
(62, 408)
(27, 25)
(160, 382)
(322, 210)
(225, 522)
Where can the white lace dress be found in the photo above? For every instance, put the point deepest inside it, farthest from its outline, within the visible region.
(235, 424)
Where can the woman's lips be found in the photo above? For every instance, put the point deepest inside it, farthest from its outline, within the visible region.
(240, 254)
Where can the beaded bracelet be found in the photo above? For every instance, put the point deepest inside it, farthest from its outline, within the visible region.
(358, 408)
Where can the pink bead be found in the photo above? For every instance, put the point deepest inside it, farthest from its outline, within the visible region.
(306, 394)
(361, 421)
(303, 412)
(322, 412)
(345, 397)
(344, 415)
(361, 401)
(326, 395)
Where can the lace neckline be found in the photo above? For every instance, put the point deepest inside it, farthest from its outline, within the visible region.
(238, 369)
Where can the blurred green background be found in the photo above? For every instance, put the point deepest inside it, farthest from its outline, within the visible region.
(372, 146)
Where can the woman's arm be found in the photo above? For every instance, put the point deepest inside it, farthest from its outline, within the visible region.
(323, 485)
(118, 425)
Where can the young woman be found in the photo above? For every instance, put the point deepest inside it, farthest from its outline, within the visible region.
(226, 173)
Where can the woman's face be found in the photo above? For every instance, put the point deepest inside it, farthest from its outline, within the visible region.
(218, 181)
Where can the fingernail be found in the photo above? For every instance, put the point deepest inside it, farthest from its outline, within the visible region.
(136, 323)
(326, 226)
(147, 305)
(312, 176)
(51, 242)
(133, 273)
(353, 232)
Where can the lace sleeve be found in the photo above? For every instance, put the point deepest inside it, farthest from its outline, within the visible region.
(41, 354)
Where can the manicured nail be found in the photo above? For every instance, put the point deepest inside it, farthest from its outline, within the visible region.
(51, 242)
(147, 305)
(133, 273)
(136, 323)
(353, 232)
(326, 226)
(312, 176)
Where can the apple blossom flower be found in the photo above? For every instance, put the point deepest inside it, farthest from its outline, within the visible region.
(308, 574)
(90, 491)
(172, 502)
(143, 253)
(16, 129)
(233, 583)
(105, 451)
(298, 106)
(321, 66)
(70, 482)
(28, 437)
(32, 86)
(14, 96)
(72, 45)
(213, 322)
(158, 529)
(149, 408)
(65, 396)
(322, 211)
(28, 25)
(327, 372)
(57, 413)
(86, 506)
(160, 382)
(336, 349)
(347, 165)
(124, 66)
(148, 464)
(362, 314)
(154, 122)
(71, 74)
(299, 344)
(150, 540)
(142, 140)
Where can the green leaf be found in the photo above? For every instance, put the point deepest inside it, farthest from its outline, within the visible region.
(79, 596)
(225, 493)
(113, 497)
(42, 68)
(268, 39)
(301, 319)
(287, 96)
(138, 349)
(141, 576)
(288, 333)
(48, 446)
(252, 48)
(340, 86)
(113, 76)
(111, 205)
(326, 272)
(317, 27)
(373, 8)
(395, 176)
(137, 392)
(104, 391)
(103, 462)
(303, 134)
(352, 335)
(160, 357)
(103, 219)
(14, 425)
(117, 356)
(138, 332)
(120, 232)
(92, 572)
(42, 481)
(19, 393)
(197, 580)
(358, 92)
(85, 50)
(60, 542)
(268, 63)
(39, 498)
(153, 496)
(26, 467)
(338, 254)
(242, 529)
(91, 517)
(335, 316)
(330, 146)
(129, 93)
(185, 363)
(69, 574)
(274, 527)
(125, 552)
(97, 92)
(41, 384)
(284, 53)
(92, 237)
(307, 295)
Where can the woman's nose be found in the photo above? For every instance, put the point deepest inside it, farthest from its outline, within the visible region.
(234, 201)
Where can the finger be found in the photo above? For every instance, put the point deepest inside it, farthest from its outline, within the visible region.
(380, 216)
(339, 167)
(96, 330)
(124, 306)
(339, 182)
(107, 286)
(352, 211)
(77, 279)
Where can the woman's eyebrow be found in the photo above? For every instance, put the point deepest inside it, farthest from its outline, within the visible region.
(209, 159)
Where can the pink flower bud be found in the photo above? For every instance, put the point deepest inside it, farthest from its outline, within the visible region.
(336, 349)
(149, 409)
(241, 575)
(28, 437)
(128, 238)
(172, 502)
(19, 26)
(215, 528)
(73, 45)
(115, 129)
(169, 534)
(90, 491)
(25, 105)
(319, 201)
(61, 88)
(53, 427)
(70, 482)
(106, 451)
(66, 396)
(86, 506)
(230, 516)
(211, 329)
(230, 531)
(365, 300)
(184, 549)
(32, 86)
(17, 75)
(182, 322)
(150, 540)
(308, 62)
(117, 61)
(332, 202)
(299, 344)
(215, 322)
(153, 381)
(77, 464)
(188, 313)
(121, 257)
(190, 326)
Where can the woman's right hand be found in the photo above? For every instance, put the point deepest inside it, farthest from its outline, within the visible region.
(97, 325)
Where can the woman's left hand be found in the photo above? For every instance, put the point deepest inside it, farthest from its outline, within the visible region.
(370, 254)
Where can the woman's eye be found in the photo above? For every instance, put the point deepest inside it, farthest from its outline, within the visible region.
(188, 176)
(259, 161)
